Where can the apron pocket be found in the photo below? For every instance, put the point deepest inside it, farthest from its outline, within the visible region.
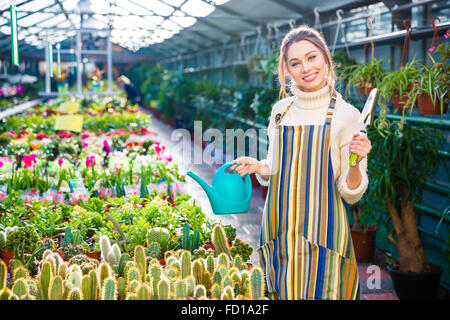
(269, 264)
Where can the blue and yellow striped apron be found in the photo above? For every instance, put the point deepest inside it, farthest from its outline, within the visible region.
(306, 248)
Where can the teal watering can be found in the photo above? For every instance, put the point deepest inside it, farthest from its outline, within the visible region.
(230, 193)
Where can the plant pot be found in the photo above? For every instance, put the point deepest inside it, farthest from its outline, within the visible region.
(249, 266)
(365, 90)
(208, 245)
(162, 261)
(364, 243)
(416, 286)
(94, 255)
(426, 105)
(61, 254)
(7, 256)
(399, 102)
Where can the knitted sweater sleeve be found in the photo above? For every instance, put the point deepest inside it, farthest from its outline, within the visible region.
(351, 196)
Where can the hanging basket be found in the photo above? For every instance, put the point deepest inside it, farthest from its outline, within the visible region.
(428, 107)
(365, 90)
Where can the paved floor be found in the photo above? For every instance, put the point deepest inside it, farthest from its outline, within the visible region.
(375, 282)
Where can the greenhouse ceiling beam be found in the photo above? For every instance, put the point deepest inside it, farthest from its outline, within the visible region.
(27, 15)
(232, 12)
(65, 13)
(294, 7)
(17, 5)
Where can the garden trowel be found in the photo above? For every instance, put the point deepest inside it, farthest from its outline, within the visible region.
(366, 118)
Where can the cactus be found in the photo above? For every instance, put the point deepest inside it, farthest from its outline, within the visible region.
(109, 289)
(105, 246)
(5, 294)
(78, 259)
(75, 294)
(27, 297)
(236, 288)
(163, 289)
(133, 286)
(210, 264)
(116, 250)
(241, 248)
(180, 289)
(223, 271)
(90, 286)
(207, 280)
(63, 270)
(2, 239)
(20, 287)
(140, 260)
(143, 292)
(3, 272)
(131, 296)
(185, 264)
(219, 240)
(200, 291)
(197, 271)
(104, 271)
(73, 250)
(189, 242)
(75, 278)
(13, 297)
(217, 278)
(14, 264)
(232, 271)
(56, 289)
(157, 233)
(124, 258)
(190, 286)
(222, 259)
(154, 250)
(133, 273)
(227, 282)
(85, 287)
(227, 293)
(238, 263)
(87, 267)
(256, 283)
(67, 287)
(172, 272)
(122, 284)
(68, 237)
(20, 272)
(45, 278)
(216, 291)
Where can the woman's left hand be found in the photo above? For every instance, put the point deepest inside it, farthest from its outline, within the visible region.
(360, 145)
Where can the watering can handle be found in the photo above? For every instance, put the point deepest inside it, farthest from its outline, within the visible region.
(247, 180)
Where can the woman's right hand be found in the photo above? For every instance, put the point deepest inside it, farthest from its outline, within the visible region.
(247, 165)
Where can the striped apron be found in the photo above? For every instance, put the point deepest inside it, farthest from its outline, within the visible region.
(306, 248)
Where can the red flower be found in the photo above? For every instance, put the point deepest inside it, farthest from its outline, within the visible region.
(60, 161)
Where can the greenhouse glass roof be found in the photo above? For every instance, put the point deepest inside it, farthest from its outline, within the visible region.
(133, 23)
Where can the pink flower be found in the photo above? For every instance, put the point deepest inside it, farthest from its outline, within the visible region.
(29, 161)
(85, 145)
(60, 161)
(84, 136)
(1, 163)
(435, 64)
(106, 145)
(11, 134)
(431, 49)
(447, 34)
(90, 161)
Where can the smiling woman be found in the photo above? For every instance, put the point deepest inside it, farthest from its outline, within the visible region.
(306, 248)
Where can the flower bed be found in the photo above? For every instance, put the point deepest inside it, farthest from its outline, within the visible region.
(105, 215)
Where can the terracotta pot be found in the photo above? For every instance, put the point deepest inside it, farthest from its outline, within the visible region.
(249, 266)
(416, 286)
(399, 102)
(7, 256)
(364, 242)
(365, 90)
(93, 255)
(61, 254)
(426, 105)
(208, 245)
(162, 261)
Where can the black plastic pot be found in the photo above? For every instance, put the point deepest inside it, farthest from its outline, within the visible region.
(416, 286)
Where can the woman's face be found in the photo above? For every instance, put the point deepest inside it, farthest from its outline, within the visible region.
(307, 65)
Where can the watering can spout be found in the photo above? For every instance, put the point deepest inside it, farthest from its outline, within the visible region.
(208, 189)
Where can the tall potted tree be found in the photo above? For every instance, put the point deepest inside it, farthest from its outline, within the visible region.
(403, 158)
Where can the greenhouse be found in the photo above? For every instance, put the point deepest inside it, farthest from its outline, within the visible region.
(224, 150)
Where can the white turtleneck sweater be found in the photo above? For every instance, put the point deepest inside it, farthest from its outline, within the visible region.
(310, 108)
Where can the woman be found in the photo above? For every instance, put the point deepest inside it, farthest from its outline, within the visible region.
(130, 89)
(306, 248)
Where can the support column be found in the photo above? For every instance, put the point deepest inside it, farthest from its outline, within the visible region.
(109, 58)
(79, 68)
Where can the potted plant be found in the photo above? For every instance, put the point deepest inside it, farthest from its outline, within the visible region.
(365, 76)
(433, 84)
(26, 237)
(363, 235)
(404, 157)
(398, 84)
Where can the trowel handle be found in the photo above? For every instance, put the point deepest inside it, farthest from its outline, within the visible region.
(354, 156)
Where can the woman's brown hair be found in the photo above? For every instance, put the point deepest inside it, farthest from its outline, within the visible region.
(296, 35)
